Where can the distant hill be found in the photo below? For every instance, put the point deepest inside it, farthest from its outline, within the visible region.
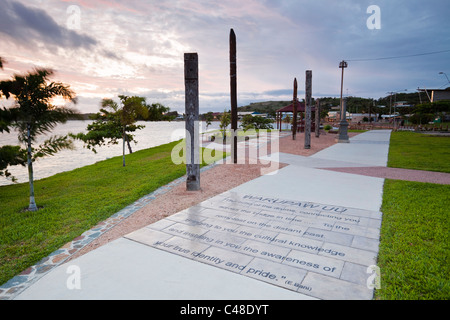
(354, 104)
(269, 107)
(84, 116)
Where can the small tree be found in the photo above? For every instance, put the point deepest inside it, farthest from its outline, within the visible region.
(35, 115)
(208, 119)
(426, 112)
(115, 122)
(287, 119)
(225, 121)
(156, 112)
(255, 122)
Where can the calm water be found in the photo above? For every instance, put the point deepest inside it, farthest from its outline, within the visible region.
(154, 134)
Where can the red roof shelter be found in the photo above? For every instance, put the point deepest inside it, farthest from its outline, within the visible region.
(290, 108)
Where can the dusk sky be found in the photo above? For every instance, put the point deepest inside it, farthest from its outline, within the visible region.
(106, 48)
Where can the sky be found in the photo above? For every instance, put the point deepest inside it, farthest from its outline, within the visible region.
(136, 47)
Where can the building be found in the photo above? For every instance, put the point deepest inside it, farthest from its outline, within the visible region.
(402, 104)
(217, 115)
(334, 116)
(360, 117)
(437, 94)
(252, 113)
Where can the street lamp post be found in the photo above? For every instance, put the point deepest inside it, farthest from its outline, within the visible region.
(395, 104)
(395, 108)
(343, 124)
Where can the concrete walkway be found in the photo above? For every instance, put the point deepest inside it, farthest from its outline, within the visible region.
(302, 233)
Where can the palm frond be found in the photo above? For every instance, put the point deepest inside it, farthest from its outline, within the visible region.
(53, 145)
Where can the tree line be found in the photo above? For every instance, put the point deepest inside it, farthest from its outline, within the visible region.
(420, 109)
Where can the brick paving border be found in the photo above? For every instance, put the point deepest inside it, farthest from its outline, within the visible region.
(398, 174)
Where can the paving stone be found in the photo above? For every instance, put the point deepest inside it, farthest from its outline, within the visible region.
(297, 243)
(365, 243)
(184, 230)
(60, 257)
(355, 273)
(328, 236)
(275, 273)
(148, 236)
(264, 251)
(312, 262)
(356, 230)
(346, 253)
(324, 287)
(161, 224)
(17, 280)
(27, 271)
(44, 268)
(182, 247)
(224, 259)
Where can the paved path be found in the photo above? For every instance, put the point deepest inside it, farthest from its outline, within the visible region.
(302, 233)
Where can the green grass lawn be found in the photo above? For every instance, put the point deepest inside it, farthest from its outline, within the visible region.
(414, 242)
(73, 202)
(414, 249)
(412, 150)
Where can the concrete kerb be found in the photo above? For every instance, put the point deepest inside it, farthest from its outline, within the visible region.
(26, 278)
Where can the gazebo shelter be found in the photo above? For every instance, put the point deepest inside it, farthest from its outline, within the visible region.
(290, 108)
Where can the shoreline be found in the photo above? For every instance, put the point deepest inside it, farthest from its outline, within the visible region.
(161, 132)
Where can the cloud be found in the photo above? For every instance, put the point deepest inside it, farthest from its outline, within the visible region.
(136, 47)
(33, 26)
(280, 92)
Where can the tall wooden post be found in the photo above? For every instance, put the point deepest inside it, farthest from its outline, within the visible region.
(317, 114)
(294, 104)
(233, 95)
(192, 111)
(308, 102)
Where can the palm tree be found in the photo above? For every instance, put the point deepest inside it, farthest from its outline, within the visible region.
(9, 155)
(35, 115)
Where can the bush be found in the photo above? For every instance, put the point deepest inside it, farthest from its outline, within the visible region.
(421, 118)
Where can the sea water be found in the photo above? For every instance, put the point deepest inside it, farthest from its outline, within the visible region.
(154, 134)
